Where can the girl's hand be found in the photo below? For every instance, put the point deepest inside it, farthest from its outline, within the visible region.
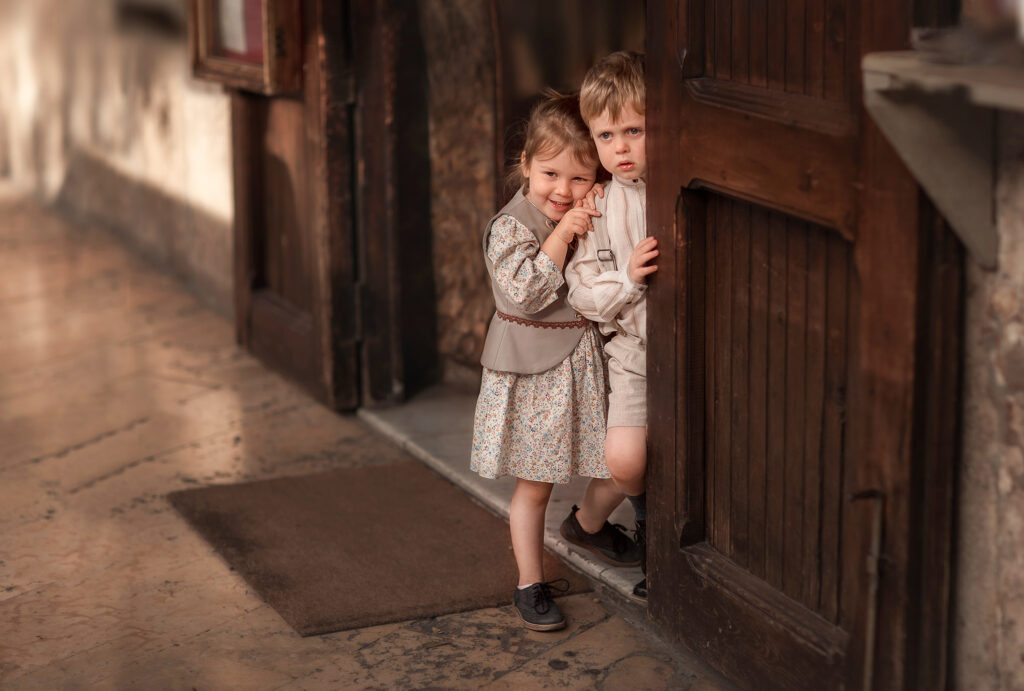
(576, 221)
(643, 252)
(596, 191)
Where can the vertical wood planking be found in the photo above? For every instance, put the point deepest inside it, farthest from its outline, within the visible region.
(723, 39)
(838, 315)
(740, 404)
(723, 378)
(775, 37)
(834, 412)
(287, 216)
(814, 60)
(796, 334)
(940, 445)
(815, 388)
(775, 332)
(836, 48)
(795, 37)
(740, 41)
(775, 477)
(668, 29)
(758, 42)
(710, 46)
(275, 185)
(758, 411)
(690, 398)
(710, 378)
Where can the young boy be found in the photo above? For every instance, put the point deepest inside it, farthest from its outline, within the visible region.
(607, 276)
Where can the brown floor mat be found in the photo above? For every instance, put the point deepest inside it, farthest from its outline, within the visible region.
(358, 547)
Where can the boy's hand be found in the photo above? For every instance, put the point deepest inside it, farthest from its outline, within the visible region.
(644, 252)
(576, 221)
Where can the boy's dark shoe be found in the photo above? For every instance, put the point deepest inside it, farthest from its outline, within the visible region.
(610, 543)
(640, 589)
(536, 607)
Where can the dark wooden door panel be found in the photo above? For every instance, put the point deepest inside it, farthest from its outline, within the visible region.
(294, 273)
(777, 293)
(334, 277)
(282, 258)
(776, 76)
(787, 392)
(795, 46)
(758, 635)
(798, 154)
(766, 360)
(286, 336)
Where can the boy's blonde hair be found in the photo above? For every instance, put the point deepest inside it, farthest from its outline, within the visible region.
(614, 82)
(555, 124)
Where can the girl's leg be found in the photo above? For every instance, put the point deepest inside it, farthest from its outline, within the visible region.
(526, 522)
(598, 503)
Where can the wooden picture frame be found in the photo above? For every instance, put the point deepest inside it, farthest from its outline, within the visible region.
(253, 45)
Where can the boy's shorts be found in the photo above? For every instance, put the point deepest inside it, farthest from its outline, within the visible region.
(627, 378)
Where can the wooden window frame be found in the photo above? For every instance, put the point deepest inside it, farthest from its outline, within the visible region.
(281, 71)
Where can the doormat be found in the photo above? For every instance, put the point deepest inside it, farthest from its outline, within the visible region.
(358, 547)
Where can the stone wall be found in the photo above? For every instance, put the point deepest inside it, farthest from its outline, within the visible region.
(99, 112)
(462, 153)
(989, 596)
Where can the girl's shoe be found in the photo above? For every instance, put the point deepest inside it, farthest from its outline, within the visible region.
(610, 543)
(536, 607)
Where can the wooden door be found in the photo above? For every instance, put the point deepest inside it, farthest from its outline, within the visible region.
(294, 268)
(799, 340)
(333, 275)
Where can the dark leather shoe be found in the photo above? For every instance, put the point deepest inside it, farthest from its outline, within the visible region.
(640, 589)
(610, 543)
(536, 607)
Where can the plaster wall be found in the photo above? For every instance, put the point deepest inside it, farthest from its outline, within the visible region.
(988, 650)
(98, 111)
(103, 117)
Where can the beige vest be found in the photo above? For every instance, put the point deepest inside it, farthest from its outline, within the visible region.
(519, 348)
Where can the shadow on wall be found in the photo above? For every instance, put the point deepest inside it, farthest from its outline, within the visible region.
(5, 156)
(191, 244)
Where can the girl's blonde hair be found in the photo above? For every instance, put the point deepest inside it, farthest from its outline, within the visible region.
(555, 124)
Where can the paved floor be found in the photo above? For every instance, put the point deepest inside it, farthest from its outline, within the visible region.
(117, 387)
(436, 426)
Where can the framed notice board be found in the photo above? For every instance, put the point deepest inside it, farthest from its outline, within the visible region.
(254, 45)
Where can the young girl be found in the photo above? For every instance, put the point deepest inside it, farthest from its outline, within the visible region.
(541, 412)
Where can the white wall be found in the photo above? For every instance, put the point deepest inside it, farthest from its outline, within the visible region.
(104, 116)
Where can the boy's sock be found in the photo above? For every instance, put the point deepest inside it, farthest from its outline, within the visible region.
(639, 503)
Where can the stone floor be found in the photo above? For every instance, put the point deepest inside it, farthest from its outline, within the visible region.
(436, 426)
(117, 387)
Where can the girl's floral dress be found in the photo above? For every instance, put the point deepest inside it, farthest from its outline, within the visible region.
(546, 426)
